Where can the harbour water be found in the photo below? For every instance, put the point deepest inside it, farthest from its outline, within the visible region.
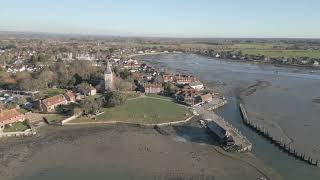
(287, 103)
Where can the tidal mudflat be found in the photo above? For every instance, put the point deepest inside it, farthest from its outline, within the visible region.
(122, 152)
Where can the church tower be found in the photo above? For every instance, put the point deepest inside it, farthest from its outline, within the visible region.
(108, 78)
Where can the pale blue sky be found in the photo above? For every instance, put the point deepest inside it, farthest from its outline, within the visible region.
(174, 18)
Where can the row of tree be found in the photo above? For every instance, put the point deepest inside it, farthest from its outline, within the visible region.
(59, 74)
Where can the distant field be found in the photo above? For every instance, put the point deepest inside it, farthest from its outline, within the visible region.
(143, 110)
(283, 53)
(267, 49)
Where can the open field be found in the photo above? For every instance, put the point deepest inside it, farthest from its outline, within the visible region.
(159, 96)
(51, 92)
(269, 49)
(143, 110)
(15, 127)
(282, 53)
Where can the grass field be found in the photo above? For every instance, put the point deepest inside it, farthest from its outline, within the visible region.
(143, 110)
(282, 53)
(15, 127)
(159, 96)
(267, 49)
(51, 92)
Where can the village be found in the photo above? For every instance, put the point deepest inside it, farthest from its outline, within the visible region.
(53, 103)
(75, 86)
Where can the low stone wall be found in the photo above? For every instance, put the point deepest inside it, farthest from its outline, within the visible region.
(28, 132)
(139, 124)
(69, 119)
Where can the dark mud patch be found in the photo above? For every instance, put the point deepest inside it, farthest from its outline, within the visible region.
(260, 84)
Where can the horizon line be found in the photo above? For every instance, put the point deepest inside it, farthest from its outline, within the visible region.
(146, 36)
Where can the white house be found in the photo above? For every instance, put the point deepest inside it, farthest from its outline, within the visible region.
(197, 85)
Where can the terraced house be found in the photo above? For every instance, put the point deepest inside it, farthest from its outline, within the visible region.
(10, 116)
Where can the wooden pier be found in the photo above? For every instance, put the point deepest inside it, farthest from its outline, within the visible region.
(283, 146)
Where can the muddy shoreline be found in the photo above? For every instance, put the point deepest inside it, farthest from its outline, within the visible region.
(135, 151)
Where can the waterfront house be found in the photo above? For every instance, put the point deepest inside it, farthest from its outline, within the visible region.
(167, 78)
(197, 85)
(186, 96)
(204, 98)
(131, 64)
(152, 88)
(10, 116)
(184, 79)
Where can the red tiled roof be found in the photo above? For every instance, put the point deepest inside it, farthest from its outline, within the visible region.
(8, 114)
(206, 97)
(54, 100)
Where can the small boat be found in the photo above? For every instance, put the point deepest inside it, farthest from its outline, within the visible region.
(203, 123)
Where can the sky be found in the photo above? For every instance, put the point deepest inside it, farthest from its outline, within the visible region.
(165, 18)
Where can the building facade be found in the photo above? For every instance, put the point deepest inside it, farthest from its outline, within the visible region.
(154, 88)
(49, 104)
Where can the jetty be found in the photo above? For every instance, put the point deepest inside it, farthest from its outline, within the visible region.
(283, 146)
(217, 124)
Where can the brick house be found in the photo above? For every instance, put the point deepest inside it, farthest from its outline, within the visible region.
(204, 98)
(184, 79)
(187, 96)
(152, 88)
(167, 78)
(197, 85)
(10, 116)
(49, 104)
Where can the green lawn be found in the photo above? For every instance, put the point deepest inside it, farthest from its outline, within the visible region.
(160, 96)
(51, 92)
(15, 127)
(143, 110)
